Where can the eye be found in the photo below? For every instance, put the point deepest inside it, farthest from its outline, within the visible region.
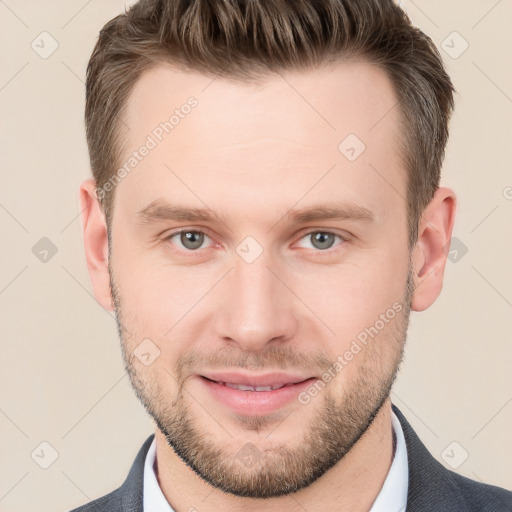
(189, 239)
(322, 240)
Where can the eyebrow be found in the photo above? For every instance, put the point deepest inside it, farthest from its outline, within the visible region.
(348, 211)
(159, 211)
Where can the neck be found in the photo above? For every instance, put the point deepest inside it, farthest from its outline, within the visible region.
(352, 484)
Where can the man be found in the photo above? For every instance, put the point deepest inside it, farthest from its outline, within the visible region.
(265, 212)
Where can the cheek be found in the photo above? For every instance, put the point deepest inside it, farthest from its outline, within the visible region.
(351, 296)
(157, 299)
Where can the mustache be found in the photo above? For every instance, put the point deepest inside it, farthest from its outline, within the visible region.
(277, 358)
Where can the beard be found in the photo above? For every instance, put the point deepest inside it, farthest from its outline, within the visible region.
(260, 470)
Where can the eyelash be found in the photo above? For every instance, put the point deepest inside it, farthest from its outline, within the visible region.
(169, 236)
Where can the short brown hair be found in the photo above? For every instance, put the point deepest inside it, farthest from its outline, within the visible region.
(247, 39)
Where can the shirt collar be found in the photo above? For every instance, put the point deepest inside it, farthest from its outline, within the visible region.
(392, 496)
(154, 499)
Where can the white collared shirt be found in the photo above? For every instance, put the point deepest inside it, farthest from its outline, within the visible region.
(392, 496)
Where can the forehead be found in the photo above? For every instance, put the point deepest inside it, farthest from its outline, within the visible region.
(334, 99)
(215, 135)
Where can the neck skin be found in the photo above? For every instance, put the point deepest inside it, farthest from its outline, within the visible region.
(352, 484)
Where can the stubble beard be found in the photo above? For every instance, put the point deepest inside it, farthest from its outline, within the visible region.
(335, 427)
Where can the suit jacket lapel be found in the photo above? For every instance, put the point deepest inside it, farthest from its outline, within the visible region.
(130, 494)
(431, 486)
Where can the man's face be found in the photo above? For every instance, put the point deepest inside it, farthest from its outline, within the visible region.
(256, 289)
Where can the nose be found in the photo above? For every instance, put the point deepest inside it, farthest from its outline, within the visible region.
(257, 308)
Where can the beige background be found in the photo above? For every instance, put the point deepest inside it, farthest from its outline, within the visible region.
(62, 380)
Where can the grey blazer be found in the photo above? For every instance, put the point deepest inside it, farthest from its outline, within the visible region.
(432, 487)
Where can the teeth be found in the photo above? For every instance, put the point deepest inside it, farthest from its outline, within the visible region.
(243, 387)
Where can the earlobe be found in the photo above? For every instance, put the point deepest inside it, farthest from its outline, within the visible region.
(94, 228)
(431, 249)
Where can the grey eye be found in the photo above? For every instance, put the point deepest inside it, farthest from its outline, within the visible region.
(191, 239)
(322, 239)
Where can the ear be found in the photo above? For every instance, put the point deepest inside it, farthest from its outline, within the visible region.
(94, 229)
(431, 249)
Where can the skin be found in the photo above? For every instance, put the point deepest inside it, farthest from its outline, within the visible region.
(253, 154)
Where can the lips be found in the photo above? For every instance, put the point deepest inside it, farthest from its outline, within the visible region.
(244, 387)
(255, 395)
(254, 382)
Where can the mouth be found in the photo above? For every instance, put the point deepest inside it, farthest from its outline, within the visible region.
(255, 400)
(245, 387)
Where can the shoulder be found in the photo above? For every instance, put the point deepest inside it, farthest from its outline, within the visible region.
(432, 486)
(482, 497)
(107, 503)
(130, 495)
